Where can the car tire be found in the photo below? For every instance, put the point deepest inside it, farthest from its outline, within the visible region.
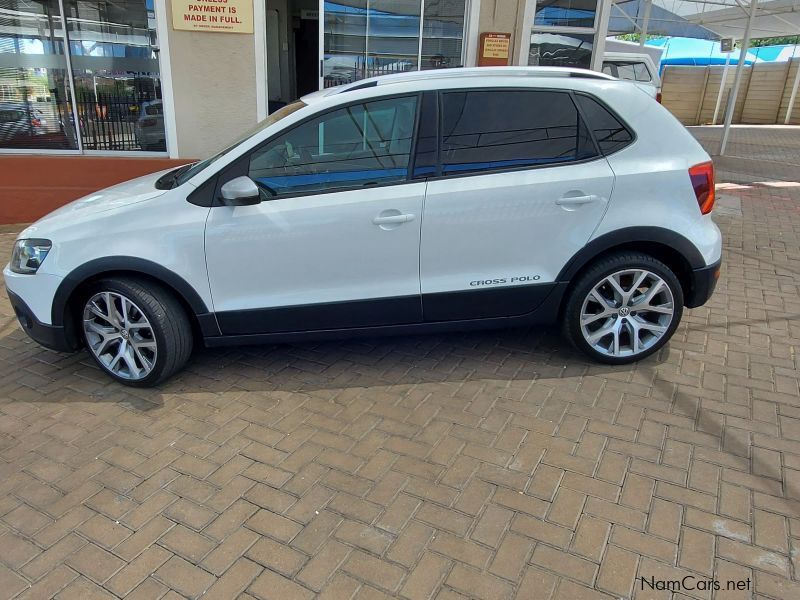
(144, 339)
(625, 307)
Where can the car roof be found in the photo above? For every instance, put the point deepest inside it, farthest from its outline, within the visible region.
(462, 73)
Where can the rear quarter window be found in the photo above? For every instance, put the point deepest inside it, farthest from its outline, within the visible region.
(608, 130)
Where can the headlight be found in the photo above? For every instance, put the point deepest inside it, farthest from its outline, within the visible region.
(28, 255)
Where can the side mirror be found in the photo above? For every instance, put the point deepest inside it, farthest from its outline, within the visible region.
(240, 191)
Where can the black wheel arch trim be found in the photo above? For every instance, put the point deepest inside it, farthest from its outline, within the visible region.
(131, 264)
(628, 235)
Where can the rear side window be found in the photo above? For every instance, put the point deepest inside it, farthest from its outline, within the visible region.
(628, 70)
(489, 130)
(610, 133)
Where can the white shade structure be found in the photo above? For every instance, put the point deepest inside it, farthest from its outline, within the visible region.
(741, 20)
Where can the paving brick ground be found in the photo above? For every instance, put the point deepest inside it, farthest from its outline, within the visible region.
(481, 465)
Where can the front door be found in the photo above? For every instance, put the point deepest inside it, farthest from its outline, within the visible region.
(335, 242)
(521, 189)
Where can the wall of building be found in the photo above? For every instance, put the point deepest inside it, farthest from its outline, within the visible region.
(214, 88)
(31, 186)
(504, 16)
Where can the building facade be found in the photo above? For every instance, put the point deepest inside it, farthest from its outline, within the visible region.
(179, 79)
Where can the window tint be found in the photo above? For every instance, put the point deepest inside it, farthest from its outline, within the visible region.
(611, 135)
(362, 144)
(485, 130)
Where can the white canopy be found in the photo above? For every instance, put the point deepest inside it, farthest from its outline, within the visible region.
(729, 18)
(725, 18)
(739, 19)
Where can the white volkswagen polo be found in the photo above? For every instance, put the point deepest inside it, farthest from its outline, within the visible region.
(409, 203)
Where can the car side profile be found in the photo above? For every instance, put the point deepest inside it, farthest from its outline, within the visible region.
(416, 202)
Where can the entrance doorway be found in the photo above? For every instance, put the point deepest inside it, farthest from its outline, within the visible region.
(292, 50)
(306, 52)
(360, 38)
(364, 38)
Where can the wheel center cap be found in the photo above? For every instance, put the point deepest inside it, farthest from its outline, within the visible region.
(624, 311)
(124, 334)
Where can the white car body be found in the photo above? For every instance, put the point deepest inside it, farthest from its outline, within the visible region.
(250, 273)
(636, 67)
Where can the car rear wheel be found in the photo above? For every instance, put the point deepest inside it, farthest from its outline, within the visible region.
(625, 307)
(136, 331)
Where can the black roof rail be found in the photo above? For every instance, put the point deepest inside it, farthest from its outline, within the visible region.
(587, 76)
(362, 86)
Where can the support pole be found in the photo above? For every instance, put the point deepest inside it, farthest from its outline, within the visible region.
(793, 97)
(737, 82)
(722, 83)
(645, 22)
(600, 34)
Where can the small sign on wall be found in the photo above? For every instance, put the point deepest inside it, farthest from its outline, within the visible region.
(227, 16)
(494, 49)
(726, 45)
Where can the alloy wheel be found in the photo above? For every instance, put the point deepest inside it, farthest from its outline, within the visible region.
(627, 312)
(119, 335)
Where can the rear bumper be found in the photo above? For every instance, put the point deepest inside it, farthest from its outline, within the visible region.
(49, 336)
(702, 284)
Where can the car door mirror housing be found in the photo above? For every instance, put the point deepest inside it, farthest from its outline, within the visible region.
(240, 191)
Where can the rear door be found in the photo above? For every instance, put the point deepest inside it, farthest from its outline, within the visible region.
(519, 188)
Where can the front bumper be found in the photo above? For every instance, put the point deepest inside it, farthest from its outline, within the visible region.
(702, 283)
(49, 336)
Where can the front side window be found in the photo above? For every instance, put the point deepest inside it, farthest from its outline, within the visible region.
(355, 146)
(489, 130)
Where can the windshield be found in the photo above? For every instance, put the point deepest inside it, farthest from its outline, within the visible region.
(185, 173)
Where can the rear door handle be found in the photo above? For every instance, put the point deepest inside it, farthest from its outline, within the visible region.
(577, 200)
(393, 219)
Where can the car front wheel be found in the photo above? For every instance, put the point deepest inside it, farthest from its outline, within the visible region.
(135, 330)
(625, 307)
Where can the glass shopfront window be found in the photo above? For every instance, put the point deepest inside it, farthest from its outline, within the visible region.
(561, 50)
(442, 34)
(563, 33)
(566, 13)
(365, 38)
(110, 46)
(35, 96)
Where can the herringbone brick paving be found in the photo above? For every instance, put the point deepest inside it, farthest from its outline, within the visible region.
(481, 465)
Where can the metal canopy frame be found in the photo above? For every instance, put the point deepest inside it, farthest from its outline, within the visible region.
(740, 19)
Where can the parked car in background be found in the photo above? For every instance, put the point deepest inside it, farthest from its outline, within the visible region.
(149, 128)
(422, 201)
(17, 120)
(638, 68)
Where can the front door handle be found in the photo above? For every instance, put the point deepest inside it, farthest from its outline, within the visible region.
(571, 201)
(393, 219)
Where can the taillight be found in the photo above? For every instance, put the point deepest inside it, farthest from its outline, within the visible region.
(658, 97)
(702, 177)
